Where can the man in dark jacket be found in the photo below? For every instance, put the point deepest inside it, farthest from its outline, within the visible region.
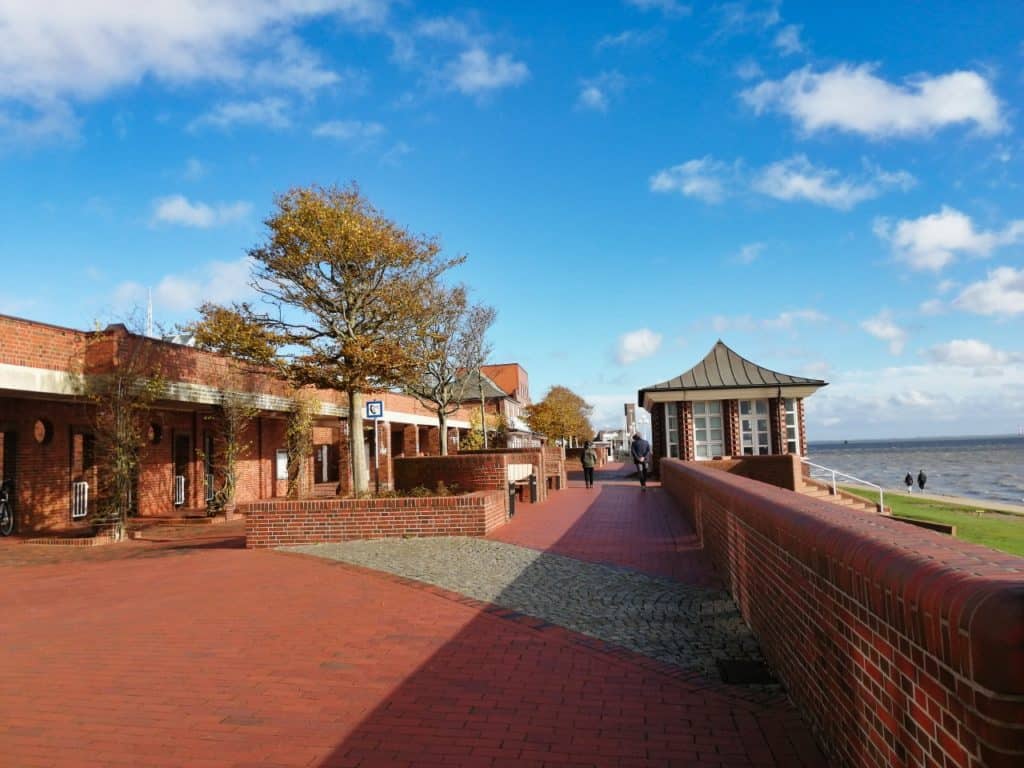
(922, 478)
(641, 452)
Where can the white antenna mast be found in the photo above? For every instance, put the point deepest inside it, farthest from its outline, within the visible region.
(149, 315)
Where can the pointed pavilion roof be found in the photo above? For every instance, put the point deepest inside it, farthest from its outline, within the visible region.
(723, 369)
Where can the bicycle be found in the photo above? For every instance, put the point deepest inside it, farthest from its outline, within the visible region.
(6, 508)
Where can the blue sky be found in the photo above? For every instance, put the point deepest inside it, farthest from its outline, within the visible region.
(834, 189)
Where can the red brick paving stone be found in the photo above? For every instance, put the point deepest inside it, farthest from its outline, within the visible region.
(161, 653)
(615, 523)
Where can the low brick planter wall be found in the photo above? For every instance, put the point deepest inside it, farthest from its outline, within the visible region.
(900, 646)
(321, 521)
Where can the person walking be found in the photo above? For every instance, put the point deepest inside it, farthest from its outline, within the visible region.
(640, 450)
(922, 478)
(589, 460)
(909, 480)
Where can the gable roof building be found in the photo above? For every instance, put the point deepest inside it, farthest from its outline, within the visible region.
(727, 405)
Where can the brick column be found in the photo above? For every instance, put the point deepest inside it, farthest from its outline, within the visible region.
(659, 447)
(731, 426)
(802, 426)
(777, 424)
(687, 449)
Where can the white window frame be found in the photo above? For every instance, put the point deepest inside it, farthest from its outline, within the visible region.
(281, 462)
(672, 430)
(752, 417)
(708, 448)
(792, 423)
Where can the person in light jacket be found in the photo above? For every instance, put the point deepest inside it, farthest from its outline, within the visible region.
(589, 460)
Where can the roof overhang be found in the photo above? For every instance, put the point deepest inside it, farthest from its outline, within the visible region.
(650, 397)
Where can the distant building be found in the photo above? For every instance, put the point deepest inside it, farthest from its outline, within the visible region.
(727, 405)
(506, 393)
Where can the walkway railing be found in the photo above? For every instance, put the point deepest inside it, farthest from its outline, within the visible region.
(835, 472)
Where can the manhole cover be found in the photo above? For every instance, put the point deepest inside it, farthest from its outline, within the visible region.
(744, 672)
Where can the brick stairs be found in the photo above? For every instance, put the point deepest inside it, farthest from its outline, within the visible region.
(818, 490)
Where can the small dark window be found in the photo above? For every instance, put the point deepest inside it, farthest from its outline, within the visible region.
(156, 433)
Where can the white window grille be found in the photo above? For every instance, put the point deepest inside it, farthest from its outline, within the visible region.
(210, 492)
(79, 500)
(792, 426)
(672, 429)
(707, 429)
(755, 427)
(179, 490)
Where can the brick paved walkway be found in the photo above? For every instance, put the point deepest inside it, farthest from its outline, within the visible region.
(163, 654)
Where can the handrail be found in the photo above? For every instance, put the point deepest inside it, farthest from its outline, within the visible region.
(881, 491)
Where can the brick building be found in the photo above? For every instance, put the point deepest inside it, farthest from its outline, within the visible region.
(727, 405)
(47, 445)
(505, 389)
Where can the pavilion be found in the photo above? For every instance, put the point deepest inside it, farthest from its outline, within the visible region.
(727, 405)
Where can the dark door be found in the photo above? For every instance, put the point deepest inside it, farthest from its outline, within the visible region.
(182, 455)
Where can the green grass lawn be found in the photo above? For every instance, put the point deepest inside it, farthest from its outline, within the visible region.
(997, 530)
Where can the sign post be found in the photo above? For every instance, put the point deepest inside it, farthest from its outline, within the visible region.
(375, 412)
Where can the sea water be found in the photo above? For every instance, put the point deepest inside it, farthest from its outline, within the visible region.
(978, 467)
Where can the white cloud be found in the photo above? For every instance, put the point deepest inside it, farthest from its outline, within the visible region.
(670, 8)
(969, 353)
(58, 53)
(748, 69)
(270, 112)
(476, 72)
(798, 179)
(596, 93)
(636, 345)
(787, 40)
(350, 130)
(916, 400)
(194, 169)
(932, 307)
(177, 209)
(702, 179)
(629, 38)
(882, 327)
(784, 321)
(1001, 293)
(749, 253)
(395, 154)
(221, 282)
(933, 241)
(852, 98)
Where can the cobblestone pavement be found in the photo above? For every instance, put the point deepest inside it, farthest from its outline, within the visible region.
(687, 626)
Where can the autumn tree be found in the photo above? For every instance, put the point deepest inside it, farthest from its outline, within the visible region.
(342, 292)
(561, 415)
(453, 345)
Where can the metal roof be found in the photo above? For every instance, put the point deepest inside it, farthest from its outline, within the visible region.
(722, 368)
(474, 379)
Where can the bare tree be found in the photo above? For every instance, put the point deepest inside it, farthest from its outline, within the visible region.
(453, 347)
(120, 392)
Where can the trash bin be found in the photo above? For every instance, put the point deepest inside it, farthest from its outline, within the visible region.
(511, 499)
(533, 489)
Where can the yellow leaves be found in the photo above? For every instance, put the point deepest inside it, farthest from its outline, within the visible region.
(561, 414)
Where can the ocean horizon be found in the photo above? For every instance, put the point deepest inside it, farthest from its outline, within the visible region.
(980, 467)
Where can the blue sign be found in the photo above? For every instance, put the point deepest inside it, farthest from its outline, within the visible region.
(375, 409)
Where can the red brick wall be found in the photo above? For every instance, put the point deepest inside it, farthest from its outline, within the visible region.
(36, 345)
(281, 523)
(901, 646)
(780, 471)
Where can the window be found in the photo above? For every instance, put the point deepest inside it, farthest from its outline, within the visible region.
(755, 433)
(707, 429)
(325, 463)
(672, 430)
(792, 426)
(282, 464)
